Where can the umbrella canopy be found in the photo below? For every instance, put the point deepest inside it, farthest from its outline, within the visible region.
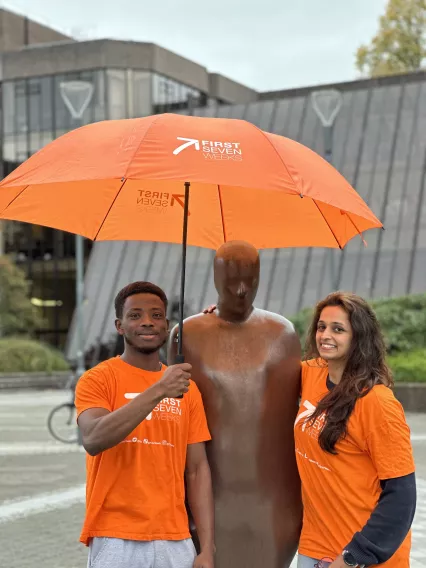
(174, 178)
(124, 180)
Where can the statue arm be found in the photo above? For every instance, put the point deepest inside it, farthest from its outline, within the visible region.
(281, 401)
(276, 459)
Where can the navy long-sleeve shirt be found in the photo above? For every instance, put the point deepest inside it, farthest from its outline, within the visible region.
(390, 521)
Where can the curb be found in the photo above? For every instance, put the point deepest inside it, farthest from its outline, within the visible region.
(412, 396)
(34, 381)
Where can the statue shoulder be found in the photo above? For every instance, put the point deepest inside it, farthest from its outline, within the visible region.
(284, 340)
(196, 322)
(282, 326)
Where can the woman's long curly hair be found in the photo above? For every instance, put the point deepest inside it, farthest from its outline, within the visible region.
(366, 366)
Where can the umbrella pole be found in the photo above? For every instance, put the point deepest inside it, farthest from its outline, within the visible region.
(180, 357)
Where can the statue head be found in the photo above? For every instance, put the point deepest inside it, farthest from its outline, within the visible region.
(236, 278)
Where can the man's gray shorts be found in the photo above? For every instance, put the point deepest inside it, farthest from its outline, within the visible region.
(117, 553)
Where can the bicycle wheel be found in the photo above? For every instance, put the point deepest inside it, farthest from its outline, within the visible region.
(61, 423)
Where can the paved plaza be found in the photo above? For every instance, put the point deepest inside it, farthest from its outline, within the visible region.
(42, 487)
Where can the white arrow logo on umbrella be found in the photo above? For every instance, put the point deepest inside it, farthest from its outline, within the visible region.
(188, 142)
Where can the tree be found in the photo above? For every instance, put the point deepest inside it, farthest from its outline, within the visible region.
(400, 44)
(18, 316)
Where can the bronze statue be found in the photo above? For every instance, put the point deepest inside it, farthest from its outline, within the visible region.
(246, 363)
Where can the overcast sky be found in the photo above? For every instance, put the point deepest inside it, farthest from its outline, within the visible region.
(265, 44)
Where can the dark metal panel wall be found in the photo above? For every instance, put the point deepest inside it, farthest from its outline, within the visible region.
(379, 146)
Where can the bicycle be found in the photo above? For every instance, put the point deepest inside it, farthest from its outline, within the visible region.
(61, 421)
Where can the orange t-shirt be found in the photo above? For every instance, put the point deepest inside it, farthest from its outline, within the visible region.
(135, 490)
(341, 491)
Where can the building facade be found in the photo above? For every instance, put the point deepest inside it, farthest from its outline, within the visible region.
(380, 148)
(114, 79)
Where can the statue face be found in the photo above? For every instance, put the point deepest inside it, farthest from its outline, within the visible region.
(236, 282)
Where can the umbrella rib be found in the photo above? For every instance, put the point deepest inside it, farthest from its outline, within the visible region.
(279, 157)
(141, 142)
(221, 214)
(109, 209)
(14, 199)
(359, 232)
(328, 224)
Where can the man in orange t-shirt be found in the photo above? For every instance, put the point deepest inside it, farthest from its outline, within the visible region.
(141, 437)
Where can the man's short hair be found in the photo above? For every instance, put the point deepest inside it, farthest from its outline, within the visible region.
(137, 288)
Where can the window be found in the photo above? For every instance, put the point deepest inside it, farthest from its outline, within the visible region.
(21, 124)
(169, 96)
(142, 103)
(116, 94)
(34, 104)
(9, 107)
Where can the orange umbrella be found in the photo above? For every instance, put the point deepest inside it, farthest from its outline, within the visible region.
(125, 180)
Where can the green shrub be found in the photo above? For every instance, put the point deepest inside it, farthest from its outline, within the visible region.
(18, 316)
(301, 322)
(403, 321)
(20, 355)
(409, 367)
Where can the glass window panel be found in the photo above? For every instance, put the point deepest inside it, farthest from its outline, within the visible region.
(170, 96)
(99, 96)
(116, 94)
(46, 137)
(35, 142)
(8, 90)
(159, 89)
(9, 152)
(142, 103)
(63, 120)
(21, 125)
(21, 146)
(34, 96)
(89, 113)
(46, 104)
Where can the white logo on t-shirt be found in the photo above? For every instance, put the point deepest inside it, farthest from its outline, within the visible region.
(132, 395)
(168, 409)
(310, 409)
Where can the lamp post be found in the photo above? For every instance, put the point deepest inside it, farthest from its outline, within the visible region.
(77, 96)
(327, 104)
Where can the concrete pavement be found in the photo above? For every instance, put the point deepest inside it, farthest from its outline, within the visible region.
(42, 487)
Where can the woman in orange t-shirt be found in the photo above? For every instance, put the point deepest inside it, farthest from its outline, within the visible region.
(353, 444)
